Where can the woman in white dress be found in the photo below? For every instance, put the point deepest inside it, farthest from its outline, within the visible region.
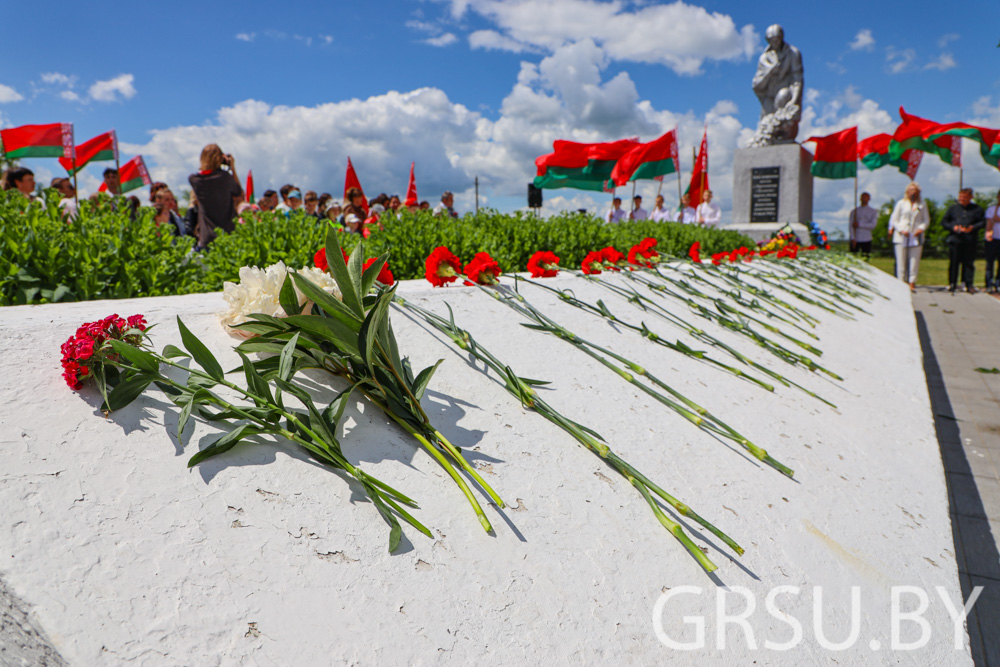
(907, 225)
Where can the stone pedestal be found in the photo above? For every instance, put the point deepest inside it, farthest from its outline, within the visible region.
(772, 185)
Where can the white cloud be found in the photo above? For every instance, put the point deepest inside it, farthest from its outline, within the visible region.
(863, 41)
(944, 62)
(442, 40)
(246, 36)
(69, 96)
(950, 37)
(328, 39)
(56, 78)
(677, 35)
(111, 90)
(8, 94)
(836, 67)
(423, 26)
(491, 40)
(899, 61)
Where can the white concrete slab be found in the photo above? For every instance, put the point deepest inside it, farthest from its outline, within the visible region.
(260, 557)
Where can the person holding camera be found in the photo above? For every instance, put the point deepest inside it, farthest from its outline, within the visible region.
(217, 189)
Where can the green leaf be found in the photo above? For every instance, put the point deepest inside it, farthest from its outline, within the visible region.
(199, 352)
(127, 391)
(224, 443)
(334, 412)
(173, 352)
(286, 359)
(371, 328)
(256, 385)
(140, 358)
(330, 330)
(328, 303)
(371, 273)
(420, 385)
(288, 298)
(342, 275)
(183, 419)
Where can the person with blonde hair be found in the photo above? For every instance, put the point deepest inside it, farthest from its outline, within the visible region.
(217, 188)
(907, 224)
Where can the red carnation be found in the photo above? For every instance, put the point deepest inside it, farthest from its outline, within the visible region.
(85, 348)
(694, 252)
(642, 254)
(319, 259)
(718, 257)
(543, 264)
(612, 259)
(442, 267)
(385, 275)
(592, 263)
(483, 269)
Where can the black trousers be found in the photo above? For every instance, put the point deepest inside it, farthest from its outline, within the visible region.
(963, 254)
(864, 247)
(992, 258)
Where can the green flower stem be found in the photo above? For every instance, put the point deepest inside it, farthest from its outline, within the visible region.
(322, 451)
(733, 278)
(675, 528)
(521, 390)
(736, 294)
(694, 413)
(644, 331)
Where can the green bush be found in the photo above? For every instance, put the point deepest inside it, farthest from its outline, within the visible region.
(101, 255)
(105, 255)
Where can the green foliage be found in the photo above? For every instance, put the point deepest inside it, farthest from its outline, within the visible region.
(101, 255)
(105, 255)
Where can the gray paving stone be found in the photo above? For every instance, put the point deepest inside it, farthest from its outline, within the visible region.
(987, 613)
(979, 545)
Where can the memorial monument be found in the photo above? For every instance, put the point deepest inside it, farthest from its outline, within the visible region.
(772, 184)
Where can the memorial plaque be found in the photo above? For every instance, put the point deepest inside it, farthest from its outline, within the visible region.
(764, 194)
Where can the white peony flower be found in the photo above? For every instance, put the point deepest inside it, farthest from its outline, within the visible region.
(259, 292)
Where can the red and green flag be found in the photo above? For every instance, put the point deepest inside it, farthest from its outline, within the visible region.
(988, 139)
(53, 140)
(101, 148)
(132, 175)
(581, 166)
(836, 154)
(914, 133)
(649, 160)
(874, 154)
(699, 176)
(249, 193)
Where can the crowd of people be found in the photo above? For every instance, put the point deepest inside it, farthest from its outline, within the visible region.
(908, 231)
(217, 200)
(707, 213)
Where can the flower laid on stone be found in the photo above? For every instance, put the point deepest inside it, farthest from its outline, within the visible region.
(593, 263)
(259, 291)
(442, 266)
(319, 259)
(694, 252)
(643, 253)
(85, 352)
(612, 259)
(543, 264)
(483, 270)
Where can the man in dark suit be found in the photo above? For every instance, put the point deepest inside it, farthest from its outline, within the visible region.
(963, 220)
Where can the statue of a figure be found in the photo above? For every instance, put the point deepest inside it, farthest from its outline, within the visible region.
(778, 85)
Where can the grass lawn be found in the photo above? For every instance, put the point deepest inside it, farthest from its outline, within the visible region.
(932, 271)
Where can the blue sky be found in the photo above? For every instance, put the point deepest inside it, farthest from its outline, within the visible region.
(480, 87)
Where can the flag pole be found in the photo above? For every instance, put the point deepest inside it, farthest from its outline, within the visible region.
(959, 178)
(76, 195)
(477, 194)
(633, 196)
(854, 211)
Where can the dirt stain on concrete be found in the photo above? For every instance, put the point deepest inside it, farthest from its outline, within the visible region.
(847, 556)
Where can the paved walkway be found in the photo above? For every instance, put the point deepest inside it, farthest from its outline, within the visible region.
(959, 333)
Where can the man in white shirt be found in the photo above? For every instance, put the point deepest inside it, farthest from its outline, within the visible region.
(660, 214)
(687, 214)
(638, 212)
(992, 244)
(616, 214)
(863, 221)
(708, 214)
